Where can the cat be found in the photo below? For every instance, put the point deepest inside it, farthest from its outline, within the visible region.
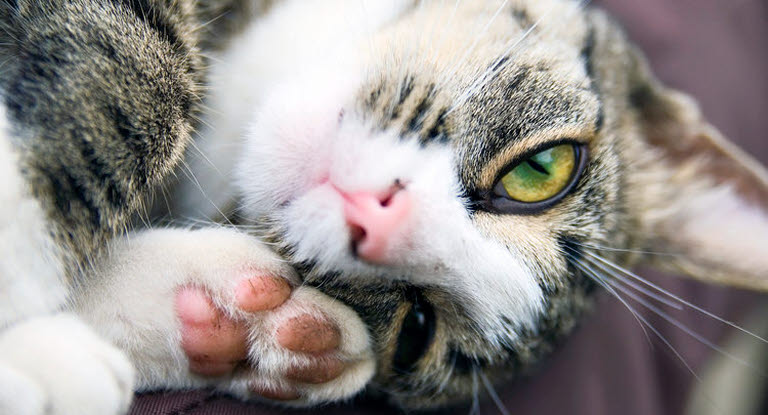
(444, 194)
(379, 173)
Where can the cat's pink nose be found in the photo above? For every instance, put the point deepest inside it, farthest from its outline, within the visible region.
(376, 221)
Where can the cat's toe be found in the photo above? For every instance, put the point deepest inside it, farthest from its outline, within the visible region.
(310, 334)
(317, 372)
(213, 341)
(261, 293)
(317, 336)
(312, 349)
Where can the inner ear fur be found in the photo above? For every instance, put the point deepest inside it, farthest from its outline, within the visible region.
(702, 198)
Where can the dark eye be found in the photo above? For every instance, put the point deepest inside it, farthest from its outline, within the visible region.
(540, 180)
(415, 336)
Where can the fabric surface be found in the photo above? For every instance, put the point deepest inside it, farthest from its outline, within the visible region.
(718, 52)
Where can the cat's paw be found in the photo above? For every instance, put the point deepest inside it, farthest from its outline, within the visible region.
(214, 341)
(217, 308)
(298, 347)
(57, 366)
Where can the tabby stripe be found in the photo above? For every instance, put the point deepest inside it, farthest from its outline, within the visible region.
(435, 133)
(136, 145)
(518, 79)
(103, 173)
(374, 96)
(587, 52)
(498, 64)
(66, 190)
(157, 20)
(417, 117)
(405, 92)
(522, 17)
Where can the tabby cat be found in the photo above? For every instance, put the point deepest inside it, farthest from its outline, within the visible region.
(433, 184)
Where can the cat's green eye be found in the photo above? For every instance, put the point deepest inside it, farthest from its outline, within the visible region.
(541, 176)
(540, 180)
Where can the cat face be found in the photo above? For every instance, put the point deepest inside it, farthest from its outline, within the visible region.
(453, 183)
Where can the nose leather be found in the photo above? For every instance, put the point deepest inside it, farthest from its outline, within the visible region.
(376, 222)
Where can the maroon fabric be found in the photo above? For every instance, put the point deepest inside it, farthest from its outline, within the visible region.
(718, 52)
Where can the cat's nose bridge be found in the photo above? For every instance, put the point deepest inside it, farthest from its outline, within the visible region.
(376, 220)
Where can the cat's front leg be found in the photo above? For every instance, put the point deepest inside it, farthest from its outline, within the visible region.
(216, 308)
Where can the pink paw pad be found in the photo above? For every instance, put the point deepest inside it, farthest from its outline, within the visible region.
(261, 293)
(309, 334)
(315, 336)
(321, 371)
(277, 395)
(213, 342)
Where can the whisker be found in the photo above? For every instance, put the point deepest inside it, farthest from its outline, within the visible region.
(634, 251)
(685, 329)
(447, 27)
(475, 393)
(494, 396)
(589, 272)
(449, 374)
(191, 176)
(665, 292)
(484, 78)
(209, 22)
(646, 324)
(205, 158)
(634, 285)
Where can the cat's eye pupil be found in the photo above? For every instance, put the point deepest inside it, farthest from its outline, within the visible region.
(416, 333)
(538, 167)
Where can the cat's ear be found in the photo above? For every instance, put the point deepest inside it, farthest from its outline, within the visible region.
(700, 196)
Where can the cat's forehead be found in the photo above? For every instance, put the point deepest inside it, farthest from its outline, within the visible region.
(465, 35)
(483, 75)
(457, 42)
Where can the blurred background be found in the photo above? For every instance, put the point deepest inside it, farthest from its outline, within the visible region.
(717, 51)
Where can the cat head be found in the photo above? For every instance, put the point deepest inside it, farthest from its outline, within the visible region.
(465, 175)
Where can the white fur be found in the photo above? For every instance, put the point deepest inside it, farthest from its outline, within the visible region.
(19, 394)
(278, 47)
(56, 365)
(31, 276)
(133, 304)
